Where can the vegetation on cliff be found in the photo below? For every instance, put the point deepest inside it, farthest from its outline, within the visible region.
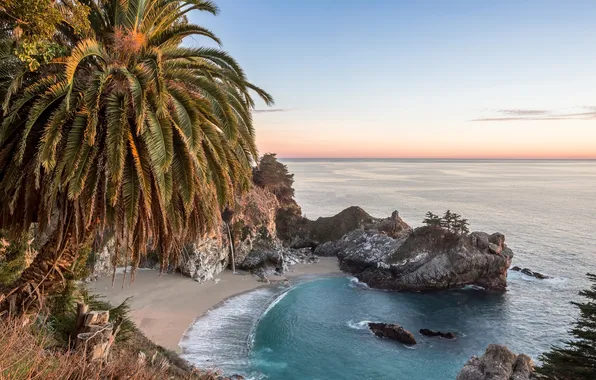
(126, 129)
(577, 360)
(274, 176)
(450, 221)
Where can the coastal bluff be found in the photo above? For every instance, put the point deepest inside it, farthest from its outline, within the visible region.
(386, 253)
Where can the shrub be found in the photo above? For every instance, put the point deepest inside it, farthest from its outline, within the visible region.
(576, 361)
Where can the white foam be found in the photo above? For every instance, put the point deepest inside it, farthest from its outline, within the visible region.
(519, 276)
(356, 283)
(222, 337)
(362, 325)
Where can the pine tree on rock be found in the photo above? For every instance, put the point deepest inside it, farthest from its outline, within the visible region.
(577, 360)
(432, 220)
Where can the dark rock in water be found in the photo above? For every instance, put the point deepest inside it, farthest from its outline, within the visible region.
(498, 363)
(392, 331)
(427, 332)
(540, 276)
(425, 259)
(233, 377)
(529, 272)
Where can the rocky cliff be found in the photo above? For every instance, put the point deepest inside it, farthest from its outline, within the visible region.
(389, 254)
(252, 227)
(498, 363)
(300, 232)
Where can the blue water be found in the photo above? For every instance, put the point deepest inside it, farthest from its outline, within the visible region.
(317, 330)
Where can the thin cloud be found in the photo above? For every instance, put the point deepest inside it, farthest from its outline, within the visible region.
(540, 115)
(271, 110)
(522, 112)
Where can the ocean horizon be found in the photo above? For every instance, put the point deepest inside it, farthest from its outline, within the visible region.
(318, 330)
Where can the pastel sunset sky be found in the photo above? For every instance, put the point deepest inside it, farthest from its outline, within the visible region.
(418, 78)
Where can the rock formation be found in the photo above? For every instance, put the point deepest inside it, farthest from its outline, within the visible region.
(314, 233)
(204, 259)
(498, 363)
(427, 332)
(424, 259)
(530, 273)
(392, 331)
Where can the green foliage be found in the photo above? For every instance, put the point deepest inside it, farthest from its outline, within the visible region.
(272, 175)
(35, 53)
(63, 312)
(451, 222)
(432, 220)
(12, 258)
(577, 360)
(131, 132)
(35, 25)
(119, 314)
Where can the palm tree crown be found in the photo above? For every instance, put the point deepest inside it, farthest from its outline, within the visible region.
(131, 131)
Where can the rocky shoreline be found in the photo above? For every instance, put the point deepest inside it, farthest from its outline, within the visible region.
(266, 236)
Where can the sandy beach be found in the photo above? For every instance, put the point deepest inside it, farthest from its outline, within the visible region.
(163, 307)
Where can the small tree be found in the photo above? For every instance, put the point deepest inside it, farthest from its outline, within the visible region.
(447, 220)
(432, 220)
(577, 361)
(464, 227)
(274, 176)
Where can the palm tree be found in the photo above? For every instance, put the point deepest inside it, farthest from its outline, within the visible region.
(131, 132)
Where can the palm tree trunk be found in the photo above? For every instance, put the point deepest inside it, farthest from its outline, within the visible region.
(44, 276)
(231, 242)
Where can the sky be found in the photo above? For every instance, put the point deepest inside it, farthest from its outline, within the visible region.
(419, 78)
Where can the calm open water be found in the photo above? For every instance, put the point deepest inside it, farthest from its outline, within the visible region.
(317, 329)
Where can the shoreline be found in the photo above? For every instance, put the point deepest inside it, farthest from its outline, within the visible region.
(164, 307)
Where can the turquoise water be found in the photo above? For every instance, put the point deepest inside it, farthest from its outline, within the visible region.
(317, 330)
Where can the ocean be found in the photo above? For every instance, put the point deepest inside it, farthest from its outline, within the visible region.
(317, 329)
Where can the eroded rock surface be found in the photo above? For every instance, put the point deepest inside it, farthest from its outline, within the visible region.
(498, 363)
(425, 259)
(392, 331)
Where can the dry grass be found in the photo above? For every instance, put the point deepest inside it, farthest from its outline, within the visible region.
(28, 352)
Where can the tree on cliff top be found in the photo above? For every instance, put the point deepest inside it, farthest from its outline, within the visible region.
(129, 131)
(272, 175)
(576, 361)
(451, 222)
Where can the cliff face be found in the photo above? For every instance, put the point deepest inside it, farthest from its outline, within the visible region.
(299, 232)
(389, 254)
(253, 230)
(498, 363)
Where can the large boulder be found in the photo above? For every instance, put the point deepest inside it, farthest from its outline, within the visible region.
(204, 259)
(424, 259)
(392, 331)
(498, 363)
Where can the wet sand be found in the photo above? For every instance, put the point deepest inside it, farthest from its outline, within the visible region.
(163, 307)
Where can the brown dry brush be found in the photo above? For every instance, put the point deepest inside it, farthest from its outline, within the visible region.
(28, 352)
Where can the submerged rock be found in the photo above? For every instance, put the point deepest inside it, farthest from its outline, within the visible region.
(392, 331)
(427, 332)
(498, 363)
(530, 273)
(425, 259)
